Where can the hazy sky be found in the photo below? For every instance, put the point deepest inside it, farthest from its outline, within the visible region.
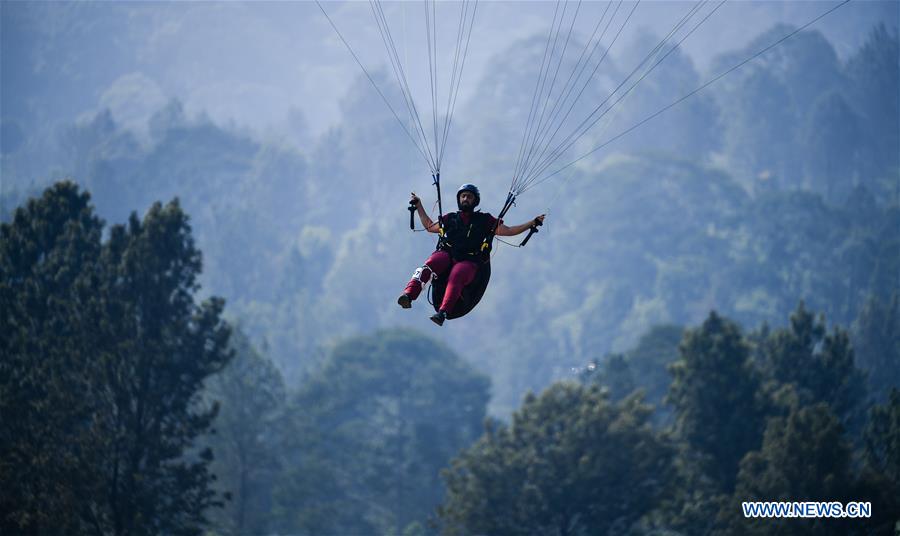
(252, 63)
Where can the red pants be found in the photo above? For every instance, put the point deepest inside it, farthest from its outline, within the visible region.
(461, 274)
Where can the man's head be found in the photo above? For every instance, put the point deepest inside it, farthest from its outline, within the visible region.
(467, 197)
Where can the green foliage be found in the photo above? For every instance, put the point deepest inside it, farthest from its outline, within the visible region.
(369, 431)
(106, 158)
(756, 418)
(715, 392)
(103, 364)
(571, 462)
(492, 136)
(47, 256)
(873, 86)
(820, 366)
(690, 130)
(647, 257)
(794, 247)
(643, 367)
(880, 481)
(883, 439)
(768, 103)
(876, 341)
(252, 396)
(807, 64)
(652, 240)
(616, 376)
(832, 137)
(650, 360)
(165, 346)
(758, 142)
(804, 457)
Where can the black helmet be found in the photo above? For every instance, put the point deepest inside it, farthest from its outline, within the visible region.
(467, 187)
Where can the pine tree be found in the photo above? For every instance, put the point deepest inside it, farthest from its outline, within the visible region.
(160, 347)
(615, 375)
(818, 364)
(649, 362)
(48, 273)
(876, 339)
(804, 457)
(880, 480)
(715, 393)
(104, 355)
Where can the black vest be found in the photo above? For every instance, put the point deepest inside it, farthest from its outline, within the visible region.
(464, 242)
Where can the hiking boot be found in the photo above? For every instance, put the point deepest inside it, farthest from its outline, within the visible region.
(405, 301)
(439, 317)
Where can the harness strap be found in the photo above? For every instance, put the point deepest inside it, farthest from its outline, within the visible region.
(510, 201)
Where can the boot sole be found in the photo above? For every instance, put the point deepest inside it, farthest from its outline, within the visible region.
(404, 301)
(437, 320)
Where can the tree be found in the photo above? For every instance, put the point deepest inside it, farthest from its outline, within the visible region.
(759, 138)
(770, 99)
(643, 367)
(818, 364)
(649, 362)
(831, 136)
(493, 136)
(804, 457)
(880, 481)
(106, 156)
(691, 130)
(570, 462)
(47, 273)
(873, 79)
(882, 439)
(806, 63)
(876, 339)
(615, 375)
(252, 396)
(715, 393)
(369, 431)
(164, 346)
(106, 356)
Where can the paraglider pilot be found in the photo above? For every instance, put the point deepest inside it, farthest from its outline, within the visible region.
(462, 250)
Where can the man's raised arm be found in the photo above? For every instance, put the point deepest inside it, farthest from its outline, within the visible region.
(503, 230)
(427, 223)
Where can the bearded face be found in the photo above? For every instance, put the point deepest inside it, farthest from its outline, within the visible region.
(466, 201)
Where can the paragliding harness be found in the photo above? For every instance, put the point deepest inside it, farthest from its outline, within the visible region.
(466, 242)
(463, 242)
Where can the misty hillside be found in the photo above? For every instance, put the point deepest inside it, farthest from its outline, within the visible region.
(739, 200)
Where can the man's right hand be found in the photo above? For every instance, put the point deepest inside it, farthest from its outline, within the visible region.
(414, 199)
